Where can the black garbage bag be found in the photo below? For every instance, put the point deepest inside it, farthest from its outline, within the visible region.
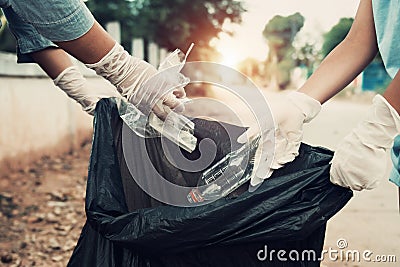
(127, 227)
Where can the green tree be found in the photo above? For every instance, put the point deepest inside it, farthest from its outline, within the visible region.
(171, 24)
(336, 35)
(280, 32)
(308, 56)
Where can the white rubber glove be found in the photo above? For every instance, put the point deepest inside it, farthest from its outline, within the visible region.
(361, 159)
(131, 75)
(169, 79)
(289, 113)
(72, 82)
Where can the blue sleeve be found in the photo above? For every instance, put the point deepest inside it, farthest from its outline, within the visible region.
(395, 154)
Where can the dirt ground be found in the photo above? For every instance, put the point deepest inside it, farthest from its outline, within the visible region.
(42, 210)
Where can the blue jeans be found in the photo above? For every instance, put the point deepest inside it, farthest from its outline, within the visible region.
(37, 24)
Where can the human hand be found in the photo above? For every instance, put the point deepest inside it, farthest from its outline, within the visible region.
(140, 82)
(169, 79)
(289, 114)
(72, 82)
(161, 93)
(361, 159)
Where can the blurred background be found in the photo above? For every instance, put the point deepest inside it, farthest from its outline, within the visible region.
(45, 137)
(274, 43)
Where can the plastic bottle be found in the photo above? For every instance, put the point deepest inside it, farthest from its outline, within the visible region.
(235, 169)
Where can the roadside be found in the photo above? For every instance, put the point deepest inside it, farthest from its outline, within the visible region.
(42, 210)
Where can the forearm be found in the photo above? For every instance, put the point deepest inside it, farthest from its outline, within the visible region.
(52, 60)
(338, 69)
(91, 47)
(392, 93)
(347, 60)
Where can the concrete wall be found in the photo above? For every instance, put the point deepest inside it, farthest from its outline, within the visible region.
(36, 117)
(9, 67)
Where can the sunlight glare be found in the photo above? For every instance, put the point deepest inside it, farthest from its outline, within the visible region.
(229, 59)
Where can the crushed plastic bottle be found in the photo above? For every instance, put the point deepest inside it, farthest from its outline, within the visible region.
(233, 170)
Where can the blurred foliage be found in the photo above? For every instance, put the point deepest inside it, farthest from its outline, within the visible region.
(250, 67)
(171, 24)
(336, 35)
(7, 40)
(280, 32)
(3, 21)
(307, 56)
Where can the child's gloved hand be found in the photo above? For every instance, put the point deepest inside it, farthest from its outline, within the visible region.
(161, 93)
(76, 86)
(361, 159)
(138, 81)
(289, 114)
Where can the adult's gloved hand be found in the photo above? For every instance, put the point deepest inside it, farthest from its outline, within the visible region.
(140, 82)
(77, 87)
(361, 159)
(289, 114)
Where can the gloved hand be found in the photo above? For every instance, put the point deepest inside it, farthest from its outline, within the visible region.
(76, 86)
(289, 114)
(361, 159)
(168, 78)
(132, 77)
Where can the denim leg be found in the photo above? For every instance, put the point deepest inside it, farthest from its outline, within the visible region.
(28, 38)
(56, 20)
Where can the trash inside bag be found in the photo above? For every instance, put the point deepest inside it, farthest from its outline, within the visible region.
(127, 227)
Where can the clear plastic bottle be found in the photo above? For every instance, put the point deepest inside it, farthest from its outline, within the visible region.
(235, 169)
